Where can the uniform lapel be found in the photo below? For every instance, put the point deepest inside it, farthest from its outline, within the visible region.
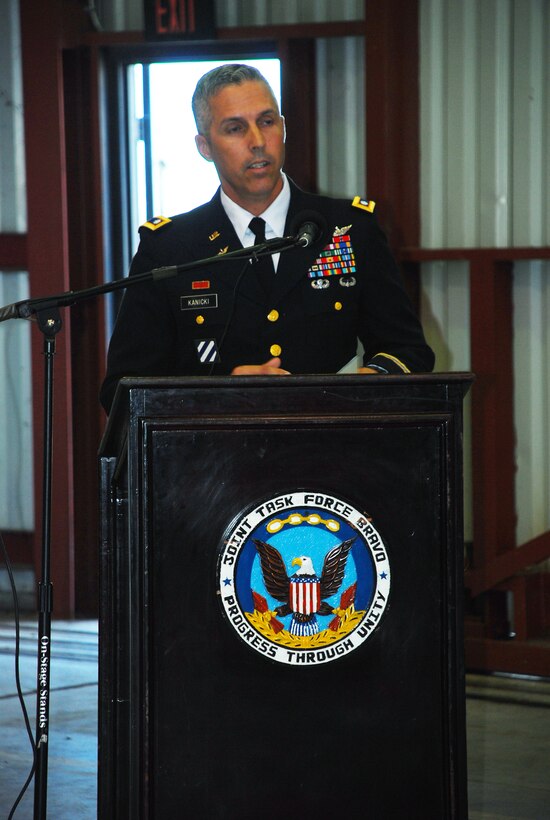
(215, 236)
(213, 233)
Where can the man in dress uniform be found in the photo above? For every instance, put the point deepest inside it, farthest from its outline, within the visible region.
(300, 311)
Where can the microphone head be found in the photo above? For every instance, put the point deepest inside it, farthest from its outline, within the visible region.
(310, 227)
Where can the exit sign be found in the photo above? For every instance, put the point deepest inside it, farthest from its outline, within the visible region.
(179, 19)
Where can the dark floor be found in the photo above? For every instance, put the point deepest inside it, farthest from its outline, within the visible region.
(508, 733)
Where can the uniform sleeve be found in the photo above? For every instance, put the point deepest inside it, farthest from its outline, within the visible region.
(389, 328)
(144, 337)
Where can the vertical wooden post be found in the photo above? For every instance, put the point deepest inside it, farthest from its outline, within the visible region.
(493, 442)
(392, 106)
(299, 100)
(43, 28)
(85, 320)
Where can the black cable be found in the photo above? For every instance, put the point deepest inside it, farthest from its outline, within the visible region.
(231, 313)
(260, 253)
(17, 677)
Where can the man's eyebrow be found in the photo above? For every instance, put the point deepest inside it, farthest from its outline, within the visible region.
(236, 118)
(242, 118)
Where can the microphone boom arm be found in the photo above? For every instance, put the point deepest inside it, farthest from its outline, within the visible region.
(28, 308)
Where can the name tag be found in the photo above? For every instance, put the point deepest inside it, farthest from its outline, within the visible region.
(209, 300)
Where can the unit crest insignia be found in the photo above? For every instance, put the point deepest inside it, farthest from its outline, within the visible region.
(207, 351)
(304, 578)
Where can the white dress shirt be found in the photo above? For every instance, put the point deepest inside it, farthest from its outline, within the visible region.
(274, 217)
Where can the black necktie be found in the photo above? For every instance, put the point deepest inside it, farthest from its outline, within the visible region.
(264, 264)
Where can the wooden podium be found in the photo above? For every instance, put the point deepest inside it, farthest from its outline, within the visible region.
(281, 599)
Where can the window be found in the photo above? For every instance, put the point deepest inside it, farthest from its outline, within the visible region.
(166, 173)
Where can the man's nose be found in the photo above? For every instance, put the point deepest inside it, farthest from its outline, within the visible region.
(257, 139)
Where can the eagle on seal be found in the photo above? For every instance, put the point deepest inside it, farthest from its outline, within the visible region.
(303, 592)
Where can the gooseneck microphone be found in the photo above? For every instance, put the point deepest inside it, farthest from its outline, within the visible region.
(308, 227)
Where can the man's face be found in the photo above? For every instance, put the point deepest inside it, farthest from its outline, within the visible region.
(246, 143)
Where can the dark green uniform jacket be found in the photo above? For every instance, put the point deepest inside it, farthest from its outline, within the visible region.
(323, 299)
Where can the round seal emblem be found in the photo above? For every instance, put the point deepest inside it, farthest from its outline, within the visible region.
(304, 578)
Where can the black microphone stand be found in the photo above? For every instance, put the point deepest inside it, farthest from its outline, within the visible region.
(49, 322)
(45, 311)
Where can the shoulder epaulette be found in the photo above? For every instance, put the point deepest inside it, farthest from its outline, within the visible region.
(155, 223)
(364, 204)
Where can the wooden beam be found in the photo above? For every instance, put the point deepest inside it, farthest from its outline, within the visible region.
(13, 251)
(509, 564)
(87, 331)
(296, 31)
(493, 438)
(19, 546)
(44, 34)
(300, 109)
(519, 657)
(474, 254)
(392, 109)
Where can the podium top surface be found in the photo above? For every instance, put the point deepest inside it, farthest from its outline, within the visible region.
(158, 397)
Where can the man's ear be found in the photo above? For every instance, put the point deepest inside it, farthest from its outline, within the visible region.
(203, 147)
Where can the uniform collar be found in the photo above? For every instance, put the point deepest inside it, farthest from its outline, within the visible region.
(274, 215)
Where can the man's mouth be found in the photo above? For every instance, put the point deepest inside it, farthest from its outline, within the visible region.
(260, 164)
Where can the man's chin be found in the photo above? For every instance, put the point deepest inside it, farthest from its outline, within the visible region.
(259, 191)
(265, 185)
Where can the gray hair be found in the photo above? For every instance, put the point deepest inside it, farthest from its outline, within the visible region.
(213, 81)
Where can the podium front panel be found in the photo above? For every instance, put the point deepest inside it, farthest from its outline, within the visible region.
(204, 717)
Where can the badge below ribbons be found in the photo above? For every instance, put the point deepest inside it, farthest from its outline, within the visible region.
(336, 259)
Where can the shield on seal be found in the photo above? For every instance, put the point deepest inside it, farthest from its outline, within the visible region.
(305, 594)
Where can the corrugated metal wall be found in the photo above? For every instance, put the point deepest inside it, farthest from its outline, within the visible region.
(16, 487)
(485, 174)
(485, 95)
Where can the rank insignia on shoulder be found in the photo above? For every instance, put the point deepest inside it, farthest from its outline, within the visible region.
(156, 222)
(214, 236)
(364, 204)
(223, 250)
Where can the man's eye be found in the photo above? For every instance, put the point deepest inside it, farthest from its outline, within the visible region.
(233, 129)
